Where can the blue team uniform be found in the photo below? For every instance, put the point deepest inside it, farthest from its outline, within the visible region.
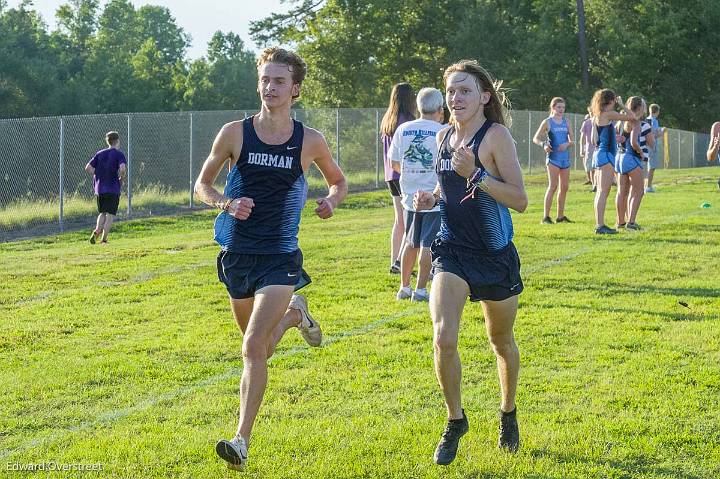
(475, 237)
(606, 146)
(557, 135)
(627, 158)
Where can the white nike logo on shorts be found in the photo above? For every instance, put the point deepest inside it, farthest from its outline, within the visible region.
(292, 275)
(292, 147)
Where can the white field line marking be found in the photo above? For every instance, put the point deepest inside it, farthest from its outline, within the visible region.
(231, 373)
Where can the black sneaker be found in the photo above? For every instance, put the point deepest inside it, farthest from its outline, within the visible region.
(563, 219)
(547, 221)
(509, 432)
(447, 447)
(395, 268)
(604, 230)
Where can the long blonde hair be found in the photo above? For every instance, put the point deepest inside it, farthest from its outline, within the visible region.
(632, 104)
(498, 108)
(599, 100)
(402, 103)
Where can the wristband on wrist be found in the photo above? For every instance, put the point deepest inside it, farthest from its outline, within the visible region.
(223, 204)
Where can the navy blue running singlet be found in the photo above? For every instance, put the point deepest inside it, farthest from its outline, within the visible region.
(273, 177)
(479, 223)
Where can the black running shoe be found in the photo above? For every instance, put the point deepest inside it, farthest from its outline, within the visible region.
(509, 432)
(546, 221)
(447, 447)
(604, 230)
(563, 219)
(395, 268)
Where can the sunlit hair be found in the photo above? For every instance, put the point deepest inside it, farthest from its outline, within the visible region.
(295, 64)
(498, 108)
(112, 137)
(402, 103)
(554, 102)
(600, 99)
(654, 109)
(636, 105)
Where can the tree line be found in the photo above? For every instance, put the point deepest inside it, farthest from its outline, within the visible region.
(115, 59)
(120, 58)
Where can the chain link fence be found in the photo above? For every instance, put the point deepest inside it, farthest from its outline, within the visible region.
(44, 187)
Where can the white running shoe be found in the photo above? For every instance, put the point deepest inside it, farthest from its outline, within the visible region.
(420, 296)
(233, 451)
(404, 293)
(309, 328)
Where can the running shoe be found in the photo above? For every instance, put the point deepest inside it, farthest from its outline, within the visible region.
(447, 447)
(404, 293)
(593, 189)
(509, 431)
(649, 189)
(563, 219)
(620, 225)
(395, 268)
(233, 451)
(420, 296)
(309, 328)
(546, 221)
(93, 237)
(633, 226)
(604, 230)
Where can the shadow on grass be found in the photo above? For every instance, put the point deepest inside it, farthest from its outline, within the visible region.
(634, 465)
(683, 314)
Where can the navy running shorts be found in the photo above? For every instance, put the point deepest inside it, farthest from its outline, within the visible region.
(490, 276)
(244, 274)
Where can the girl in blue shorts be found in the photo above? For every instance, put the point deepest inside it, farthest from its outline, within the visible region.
(603, 136)
(629, 168)
(559, 138)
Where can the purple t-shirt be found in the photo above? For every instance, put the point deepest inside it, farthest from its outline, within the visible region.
(391, 174)
(586, 129)
(107, 165)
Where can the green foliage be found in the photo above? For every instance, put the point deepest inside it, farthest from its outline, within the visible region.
(356, 50)
(117, 59)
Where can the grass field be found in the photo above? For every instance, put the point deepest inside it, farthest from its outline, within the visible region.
(126, 355)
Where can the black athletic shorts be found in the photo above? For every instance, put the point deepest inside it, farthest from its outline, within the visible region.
(108, 203)
(490, 276)
(244, 274)
(394, 187)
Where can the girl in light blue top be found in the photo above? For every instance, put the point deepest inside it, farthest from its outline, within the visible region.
(559, 138)
(603, 135)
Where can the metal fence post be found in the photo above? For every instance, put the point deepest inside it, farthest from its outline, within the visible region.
(377, 148)
(62, 172)
(129, 168)
(694, 140)
(337, 135)
(678, 143)
(192, 180)
(529, 141)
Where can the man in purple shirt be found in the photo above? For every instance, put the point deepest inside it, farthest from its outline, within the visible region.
(108, 168)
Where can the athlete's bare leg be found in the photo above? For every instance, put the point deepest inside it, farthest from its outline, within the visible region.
(447, 300)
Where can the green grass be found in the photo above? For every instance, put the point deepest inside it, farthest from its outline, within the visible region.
(127, 355)
(26, 213)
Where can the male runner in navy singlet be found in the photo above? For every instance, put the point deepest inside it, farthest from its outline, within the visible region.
(260, 262)
(479, 178)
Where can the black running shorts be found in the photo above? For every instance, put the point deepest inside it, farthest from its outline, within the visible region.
(108, 203)
(490, 276)
(244, 274)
